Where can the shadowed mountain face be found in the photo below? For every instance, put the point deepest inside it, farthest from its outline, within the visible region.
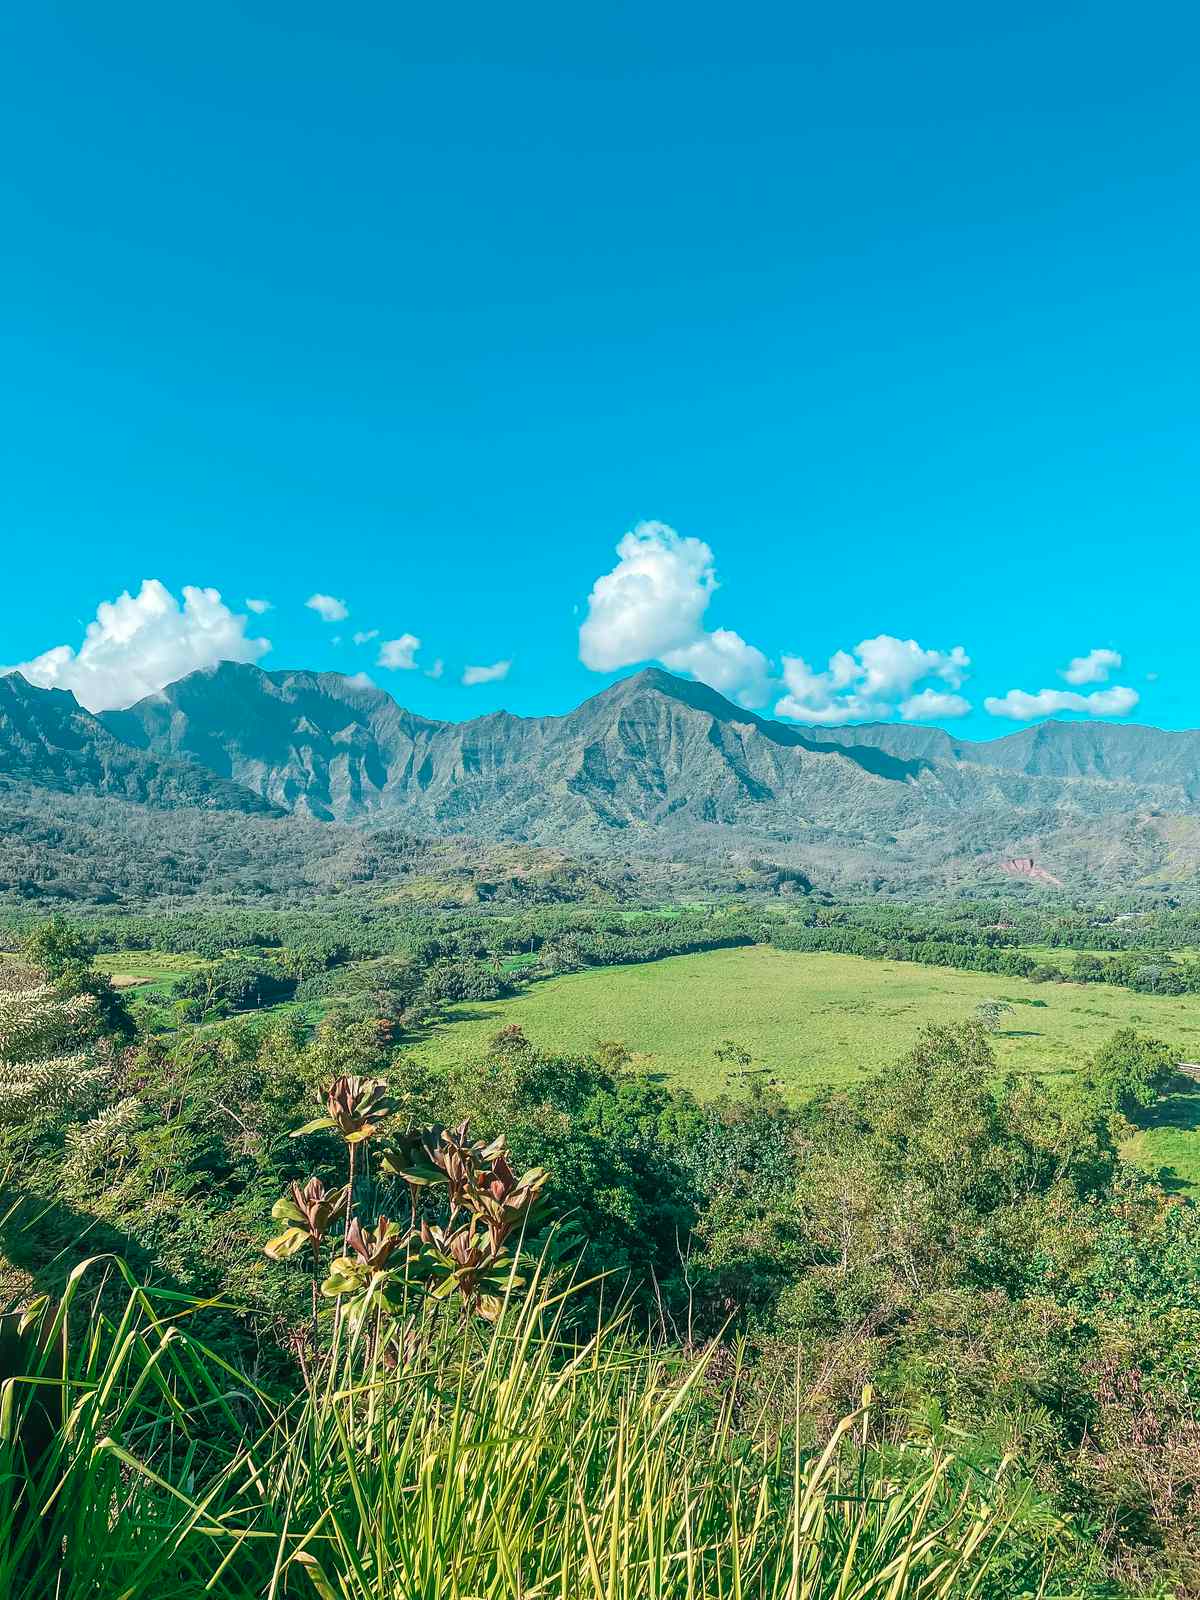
(648, 750)
(652, 752)
(49, 741)
(652, 765)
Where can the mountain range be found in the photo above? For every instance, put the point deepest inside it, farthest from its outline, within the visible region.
(653, 765)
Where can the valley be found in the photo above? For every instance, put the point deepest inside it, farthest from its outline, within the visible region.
(854, 1050)
(815, 1022)
(809, 1021)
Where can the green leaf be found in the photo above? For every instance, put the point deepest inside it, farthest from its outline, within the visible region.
(315, 1573)
(315, 1126)
(285, 1210)
(286, 1245)
(394, 1290)
(344, 1277)
(413, 1170)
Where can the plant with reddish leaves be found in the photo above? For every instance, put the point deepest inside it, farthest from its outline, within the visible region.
(472, 1255)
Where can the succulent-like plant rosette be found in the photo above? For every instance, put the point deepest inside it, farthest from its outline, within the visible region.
(469, 1254)
(354, 1107)
(309, 1210)
(377, 1260)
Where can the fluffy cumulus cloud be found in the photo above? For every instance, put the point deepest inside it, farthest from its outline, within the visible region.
(652, 601)
(400, 654)
(651, 607)
(366, 636)
(492, 674)
(873, 681)
(1020, 706)
(328, 608)
(933, 705)
(727, 663)
(259, 607)
(1094, 667)
(139, 643)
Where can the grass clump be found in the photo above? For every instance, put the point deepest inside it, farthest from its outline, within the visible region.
(437, 1455)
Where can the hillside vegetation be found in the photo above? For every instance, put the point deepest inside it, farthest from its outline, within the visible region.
(446, 1327)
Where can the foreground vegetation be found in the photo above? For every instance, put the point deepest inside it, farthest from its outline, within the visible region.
(524, 1461)
(537, 1321)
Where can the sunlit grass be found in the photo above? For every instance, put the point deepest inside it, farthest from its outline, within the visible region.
(518, 1462)
(148, 970)
(812, 1020)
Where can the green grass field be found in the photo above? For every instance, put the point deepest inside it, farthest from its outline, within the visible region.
(817, 1020)
(153, 970)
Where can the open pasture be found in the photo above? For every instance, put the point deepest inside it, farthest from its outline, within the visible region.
(818, 1020)
(145, 969)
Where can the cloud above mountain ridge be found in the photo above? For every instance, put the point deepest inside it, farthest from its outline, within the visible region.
(138, 644)
(652, 606)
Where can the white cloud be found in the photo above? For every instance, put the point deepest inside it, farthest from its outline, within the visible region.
(492, 674)
(327, 608)
(651, 602)
(872, 682)
(933, 704)
(400, 653)
(365, 638)
(258, 606)
(1021, 706)
(360, 680)
(892, 666)
(1091, 668)
(436, 670)
(725, 662)
(138, 644)
(651, 607)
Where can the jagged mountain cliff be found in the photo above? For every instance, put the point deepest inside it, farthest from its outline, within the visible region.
(651, 765)
(647, 750)
(642, 752)
(47, 740)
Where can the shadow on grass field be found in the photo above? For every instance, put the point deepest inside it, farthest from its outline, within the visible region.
(1168, 1142)
(814, 1021)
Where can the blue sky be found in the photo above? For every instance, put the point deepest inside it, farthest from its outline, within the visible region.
(881, 323)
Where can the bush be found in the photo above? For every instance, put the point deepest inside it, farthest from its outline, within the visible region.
(458, 1461)
(1131, 1071)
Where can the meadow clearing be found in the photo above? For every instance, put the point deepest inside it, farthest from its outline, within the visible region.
(152, 970)
(817, 1020)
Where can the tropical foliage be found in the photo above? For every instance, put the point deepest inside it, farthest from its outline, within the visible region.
(545, 1321)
